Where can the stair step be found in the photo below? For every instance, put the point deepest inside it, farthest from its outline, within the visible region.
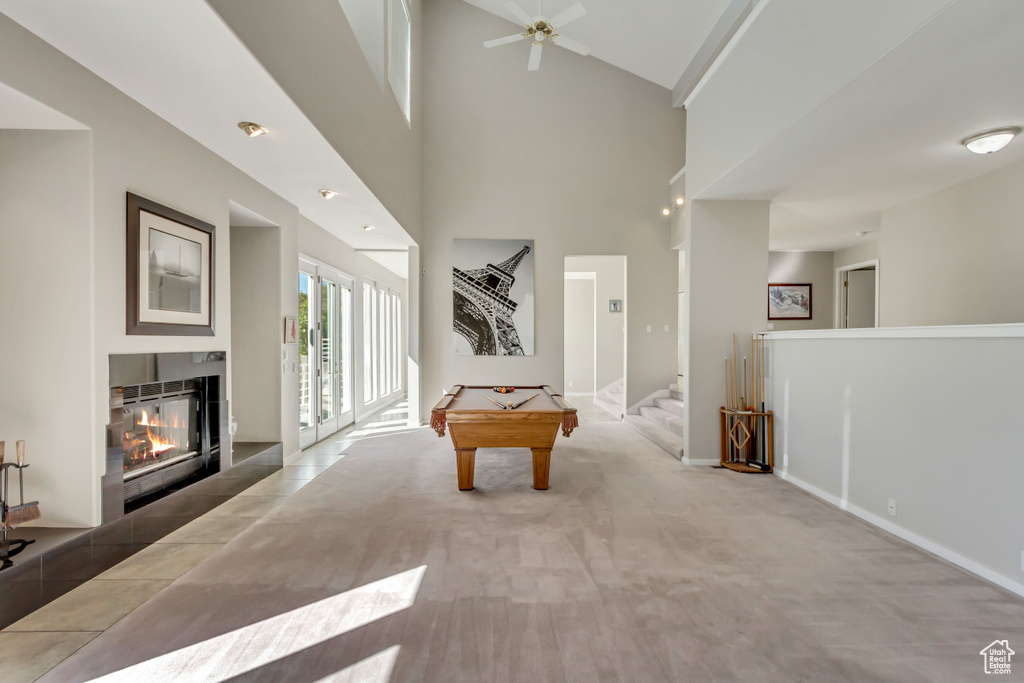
(612, 407)
(678, 395)
(669, 421)
(668, 441)
(672, 405)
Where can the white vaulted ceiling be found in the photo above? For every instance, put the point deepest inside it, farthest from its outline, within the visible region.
(654, 39)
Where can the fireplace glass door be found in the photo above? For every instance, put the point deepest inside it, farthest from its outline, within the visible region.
(159, 433)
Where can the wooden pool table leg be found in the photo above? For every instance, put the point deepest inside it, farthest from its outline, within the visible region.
(464, 458)
(541, 467)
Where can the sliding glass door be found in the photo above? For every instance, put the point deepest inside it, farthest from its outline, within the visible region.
(325, 347)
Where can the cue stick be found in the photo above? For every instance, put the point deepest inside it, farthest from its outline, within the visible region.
(500, 405)
(727, 383)
(513, 407)
(746, 390)
(735, 369)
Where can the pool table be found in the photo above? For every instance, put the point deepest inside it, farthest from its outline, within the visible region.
(474, 420)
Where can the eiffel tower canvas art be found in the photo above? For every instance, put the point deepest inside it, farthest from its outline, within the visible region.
(492, 290)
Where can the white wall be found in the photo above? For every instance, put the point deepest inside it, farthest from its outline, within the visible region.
(315, 56)
(726, 272)
(801, 267)
(863, 416)
(760, 89)
(46, 379)
(257, 333)
(573, 156)
(610, 279)
(580, 340)
(132, 150)
(859, 253)
(954, 257)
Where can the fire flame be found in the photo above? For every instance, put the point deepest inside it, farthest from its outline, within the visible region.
(156, 440)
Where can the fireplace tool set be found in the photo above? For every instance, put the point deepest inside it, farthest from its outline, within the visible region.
(746, 425)
(12, 516)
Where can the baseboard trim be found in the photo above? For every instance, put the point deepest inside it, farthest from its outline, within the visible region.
(699, 463)
(578, 393)
(907, 535)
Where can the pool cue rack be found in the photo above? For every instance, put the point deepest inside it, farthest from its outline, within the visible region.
(746, 426)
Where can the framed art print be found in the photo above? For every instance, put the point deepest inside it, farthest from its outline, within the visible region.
(789, 301)
(169, 271)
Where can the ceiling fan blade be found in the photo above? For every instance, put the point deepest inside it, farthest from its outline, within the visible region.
(535, 57)
(519, 13)
(506, 40)
(571, 14)
(570, 44)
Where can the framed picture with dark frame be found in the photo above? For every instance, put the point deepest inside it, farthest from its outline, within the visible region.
(787, 301)
(169, 271)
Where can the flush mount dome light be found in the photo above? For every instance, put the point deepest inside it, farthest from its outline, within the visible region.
(252, 129)
(328, 194)
(990, 140)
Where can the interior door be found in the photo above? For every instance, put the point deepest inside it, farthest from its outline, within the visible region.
(860, 298)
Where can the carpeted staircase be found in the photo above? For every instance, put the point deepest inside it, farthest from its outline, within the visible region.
(611, 400)
(662, 423)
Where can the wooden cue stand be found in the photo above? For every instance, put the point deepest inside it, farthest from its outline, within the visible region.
(746, 437)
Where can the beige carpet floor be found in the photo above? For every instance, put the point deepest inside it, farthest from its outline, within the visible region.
(632, 567)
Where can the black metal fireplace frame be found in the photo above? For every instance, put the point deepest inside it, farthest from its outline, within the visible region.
(164, 375)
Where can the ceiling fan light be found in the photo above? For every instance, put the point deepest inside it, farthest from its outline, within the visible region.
(990, 140)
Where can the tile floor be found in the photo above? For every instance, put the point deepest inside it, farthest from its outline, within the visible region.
(40, 641)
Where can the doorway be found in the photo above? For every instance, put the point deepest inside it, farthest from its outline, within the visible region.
(857, 295)
(325, 352)
(594, 335)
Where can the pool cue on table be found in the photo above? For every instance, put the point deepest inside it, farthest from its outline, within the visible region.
(497, 403)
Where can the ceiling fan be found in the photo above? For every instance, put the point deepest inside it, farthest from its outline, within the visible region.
(540, 29)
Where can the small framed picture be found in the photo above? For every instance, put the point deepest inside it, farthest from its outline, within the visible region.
(291, 330)
(789, 301)
(615, 305)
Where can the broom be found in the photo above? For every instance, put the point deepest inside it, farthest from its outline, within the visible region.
(16, 515)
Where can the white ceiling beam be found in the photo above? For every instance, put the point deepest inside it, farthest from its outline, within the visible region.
(724, 30)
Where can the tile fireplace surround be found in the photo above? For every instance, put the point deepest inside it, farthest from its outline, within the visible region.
(62, 559)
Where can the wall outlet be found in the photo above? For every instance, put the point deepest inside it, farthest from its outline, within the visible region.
(648, 328)
(666, 328)
(892, 507)
(570, 385)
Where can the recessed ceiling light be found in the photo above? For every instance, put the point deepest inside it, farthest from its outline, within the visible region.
(328, 194)
(680, 200)
(369, 227)
(252, 129)
(990, 140)
(666, 211)
(864, 232)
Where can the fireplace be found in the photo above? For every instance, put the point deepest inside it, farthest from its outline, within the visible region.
(167, 425)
